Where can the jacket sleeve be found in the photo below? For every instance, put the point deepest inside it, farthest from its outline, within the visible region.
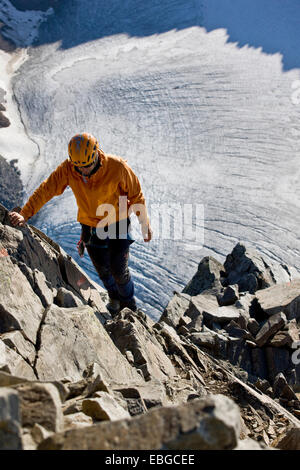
(54, 185)
(131, 186)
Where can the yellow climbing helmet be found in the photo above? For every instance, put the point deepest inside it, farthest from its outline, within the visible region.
(83, 149)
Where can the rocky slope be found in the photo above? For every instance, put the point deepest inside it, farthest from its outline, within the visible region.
(219, 370)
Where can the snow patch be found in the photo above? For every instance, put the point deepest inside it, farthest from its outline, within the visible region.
(14, 142)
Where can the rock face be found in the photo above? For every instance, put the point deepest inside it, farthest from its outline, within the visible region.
(72, 377)
(207, 424)
(10, 194)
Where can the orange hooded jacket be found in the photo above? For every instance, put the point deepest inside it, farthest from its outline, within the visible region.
(113, 179)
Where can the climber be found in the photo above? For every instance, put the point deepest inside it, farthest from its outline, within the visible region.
(107, 191)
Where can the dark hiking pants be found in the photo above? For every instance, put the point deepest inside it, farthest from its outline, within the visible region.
(110, 259)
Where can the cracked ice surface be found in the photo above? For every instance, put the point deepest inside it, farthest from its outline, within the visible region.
(200, 120)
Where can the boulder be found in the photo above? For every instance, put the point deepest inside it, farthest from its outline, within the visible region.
(281, 298)
(74, 275)
(175, 309)
(234, 330)
(14, 363)
(230, 295)
(27, 245)
(270, 327)
(39, 433)
(40, 403)
(42, 288)
(207, 277)
(245, 267)
(73, 338)
(211, 340)
(76, 420)
(244, 302)
(206, 305)
(253, 326)
(221, 315)
(131, 334)
(282, 389)
(10, 429)
(104, 408)
(66, 298)
(20, 308)
(239, 354)
(16, 341)
(210, 423)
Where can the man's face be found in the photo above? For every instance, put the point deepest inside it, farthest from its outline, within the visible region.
(86, 170)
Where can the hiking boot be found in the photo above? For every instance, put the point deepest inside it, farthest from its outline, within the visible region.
(131, 304)
(113, 306)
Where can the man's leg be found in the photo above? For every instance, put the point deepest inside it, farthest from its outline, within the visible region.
(100, 258)
(119, 256)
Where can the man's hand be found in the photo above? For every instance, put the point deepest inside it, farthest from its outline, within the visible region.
(16, 219)
(147, 234)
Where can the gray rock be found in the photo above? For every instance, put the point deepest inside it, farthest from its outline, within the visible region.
(206, 305)
(244, 303)
(72, 339)
(285, 338)
(281, 298)
(230, 296)
(221, 315)
(16, 341)
(278, 360)
(207, 277)
(10, 430)
(234, 330)
(40, 403)
(175, 309)
(270, 327)
(253, 326)
(31, 247)
(211, 340)
(245, 267)
(239, 354)
(14, 363)
(16, 300)
(39, 433)
(75, 421)
(282, 389)
(104, 407)
(135, 406)
(74, 275)
(260, 401)
(66, 298)
(42, 288)
(130, 334)
(210, 423)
